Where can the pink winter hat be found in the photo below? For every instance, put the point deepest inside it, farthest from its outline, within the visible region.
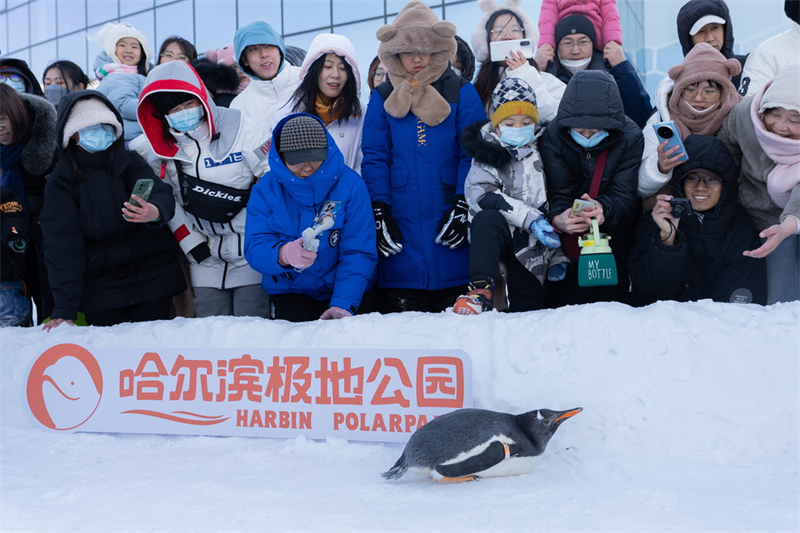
(223, 55)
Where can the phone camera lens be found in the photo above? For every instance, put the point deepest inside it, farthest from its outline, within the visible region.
(664, 132)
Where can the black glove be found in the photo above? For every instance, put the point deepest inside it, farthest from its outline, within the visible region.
(386, 229)
(200, 253)
(453, 226)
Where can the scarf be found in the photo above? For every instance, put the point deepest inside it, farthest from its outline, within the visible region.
(327, 113)
(11, 175)
(785, 152)
(688, 121)
(415, 94)
(115, 68)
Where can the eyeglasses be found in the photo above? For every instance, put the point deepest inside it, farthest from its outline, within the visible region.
(708, 94)
(379, 75)
(513, 31)
(171, 56)
(4, 77)
(569, 44)
(693, 181)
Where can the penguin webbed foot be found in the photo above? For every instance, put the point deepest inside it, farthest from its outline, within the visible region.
(493, 454)
(458, 479)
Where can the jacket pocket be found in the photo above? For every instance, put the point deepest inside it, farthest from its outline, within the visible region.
(449, 180)
(398, 178)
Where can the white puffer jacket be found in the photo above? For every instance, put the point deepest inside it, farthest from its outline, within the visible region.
(347, 134)
(650, 179)
(228, 149)
(260, 98)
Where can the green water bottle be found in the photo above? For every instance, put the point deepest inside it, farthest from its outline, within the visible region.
(596, 266)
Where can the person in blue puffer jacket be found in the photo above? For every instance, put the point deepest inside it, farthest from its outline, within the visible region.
(414, 165)
(309, 227)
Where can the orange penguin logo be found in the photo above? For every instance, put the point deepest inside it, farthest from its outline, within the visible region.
(64, 387)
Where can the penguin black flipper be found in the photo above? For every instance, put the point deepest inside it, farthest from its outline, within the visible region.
(492, 455)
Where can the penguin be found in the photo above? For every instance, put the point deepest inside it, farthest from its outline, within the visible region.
(467, 444)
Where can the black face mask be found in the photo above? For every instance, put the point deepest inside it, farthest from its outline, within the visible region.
(54, 93)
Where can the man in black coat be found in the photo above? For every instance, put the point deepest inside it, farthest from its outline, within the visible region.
(699, 254)
(591, 122)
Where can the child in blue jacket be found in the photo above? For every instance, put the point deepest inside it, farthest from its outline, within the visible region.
(414, 166)
(309, 227)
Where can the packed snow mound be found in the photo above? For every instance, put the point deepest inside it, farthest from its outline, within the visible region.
(691, 422)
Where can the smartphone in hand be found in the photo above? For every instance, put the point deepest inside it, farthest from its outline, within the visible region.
(666, 131)
(142, 188)
(502, 49)
(580, 206)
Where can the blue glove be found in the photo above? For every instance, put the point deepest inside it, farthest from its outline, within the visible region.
(545, 233)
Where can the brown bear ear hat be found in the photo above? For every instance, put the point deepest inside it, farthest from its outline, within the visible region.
(416, 29)
(703, 62)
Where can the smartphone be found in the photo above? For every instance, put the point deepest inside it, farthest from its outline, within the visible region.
(501, 49)
(142, 188)
(666, 131)
(579, 206)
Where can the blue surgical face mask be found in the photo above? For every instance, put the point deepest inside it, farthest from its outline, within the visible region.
(18, 84)
(187, 119)
(96, 138)
(592, 141)
(517, 136)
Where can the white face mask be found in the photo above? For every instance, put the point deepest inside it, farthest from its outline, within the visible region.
(700, 111)
(458, 71)
(576, 65)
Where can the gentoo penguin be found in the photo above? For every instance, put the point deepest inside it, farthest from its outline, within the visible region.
(469, 443)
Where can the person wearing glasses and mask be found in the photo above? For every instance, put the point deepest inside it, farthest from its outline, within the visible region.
(697, 96)
(577, 49)
(699, 253)
(16, 74)
(508, 22)
(176, 49)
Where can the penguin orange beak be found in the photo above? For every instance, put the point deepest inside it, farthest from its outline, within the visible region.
(568, 414)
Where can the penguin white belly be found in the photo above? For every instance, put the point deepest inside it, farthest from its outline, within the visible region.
(501, 467)
(510, 467)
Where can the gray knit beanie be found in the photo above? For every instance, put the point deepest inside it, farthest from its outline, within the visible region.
(303, 138)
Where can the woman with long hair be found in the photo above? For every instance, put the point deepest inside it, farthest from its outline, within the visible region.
(61, 78)
(330, 84)
(506, 22)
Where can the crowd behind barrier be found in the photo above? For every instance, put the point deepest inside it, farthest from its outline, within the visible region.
(524, 168)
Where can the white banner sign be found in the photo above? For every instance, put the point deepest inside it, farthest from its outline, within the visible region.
(368, 395)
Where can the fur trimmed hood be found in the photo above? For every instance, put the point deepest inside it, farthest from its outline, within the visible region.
(40, 151)
(483, 151)
(416, 29)
(480, 37)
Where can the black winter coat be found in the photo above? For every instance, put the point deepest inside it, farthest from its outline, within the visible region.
(96, 259)
(592, 100)
(13, 228)
(706, 260)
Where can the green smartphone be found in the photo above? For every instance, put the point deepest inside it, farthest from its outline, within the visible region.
(142, 188)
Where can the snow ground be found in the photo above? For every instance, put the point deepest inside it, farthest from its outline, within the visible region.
(691, 422)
